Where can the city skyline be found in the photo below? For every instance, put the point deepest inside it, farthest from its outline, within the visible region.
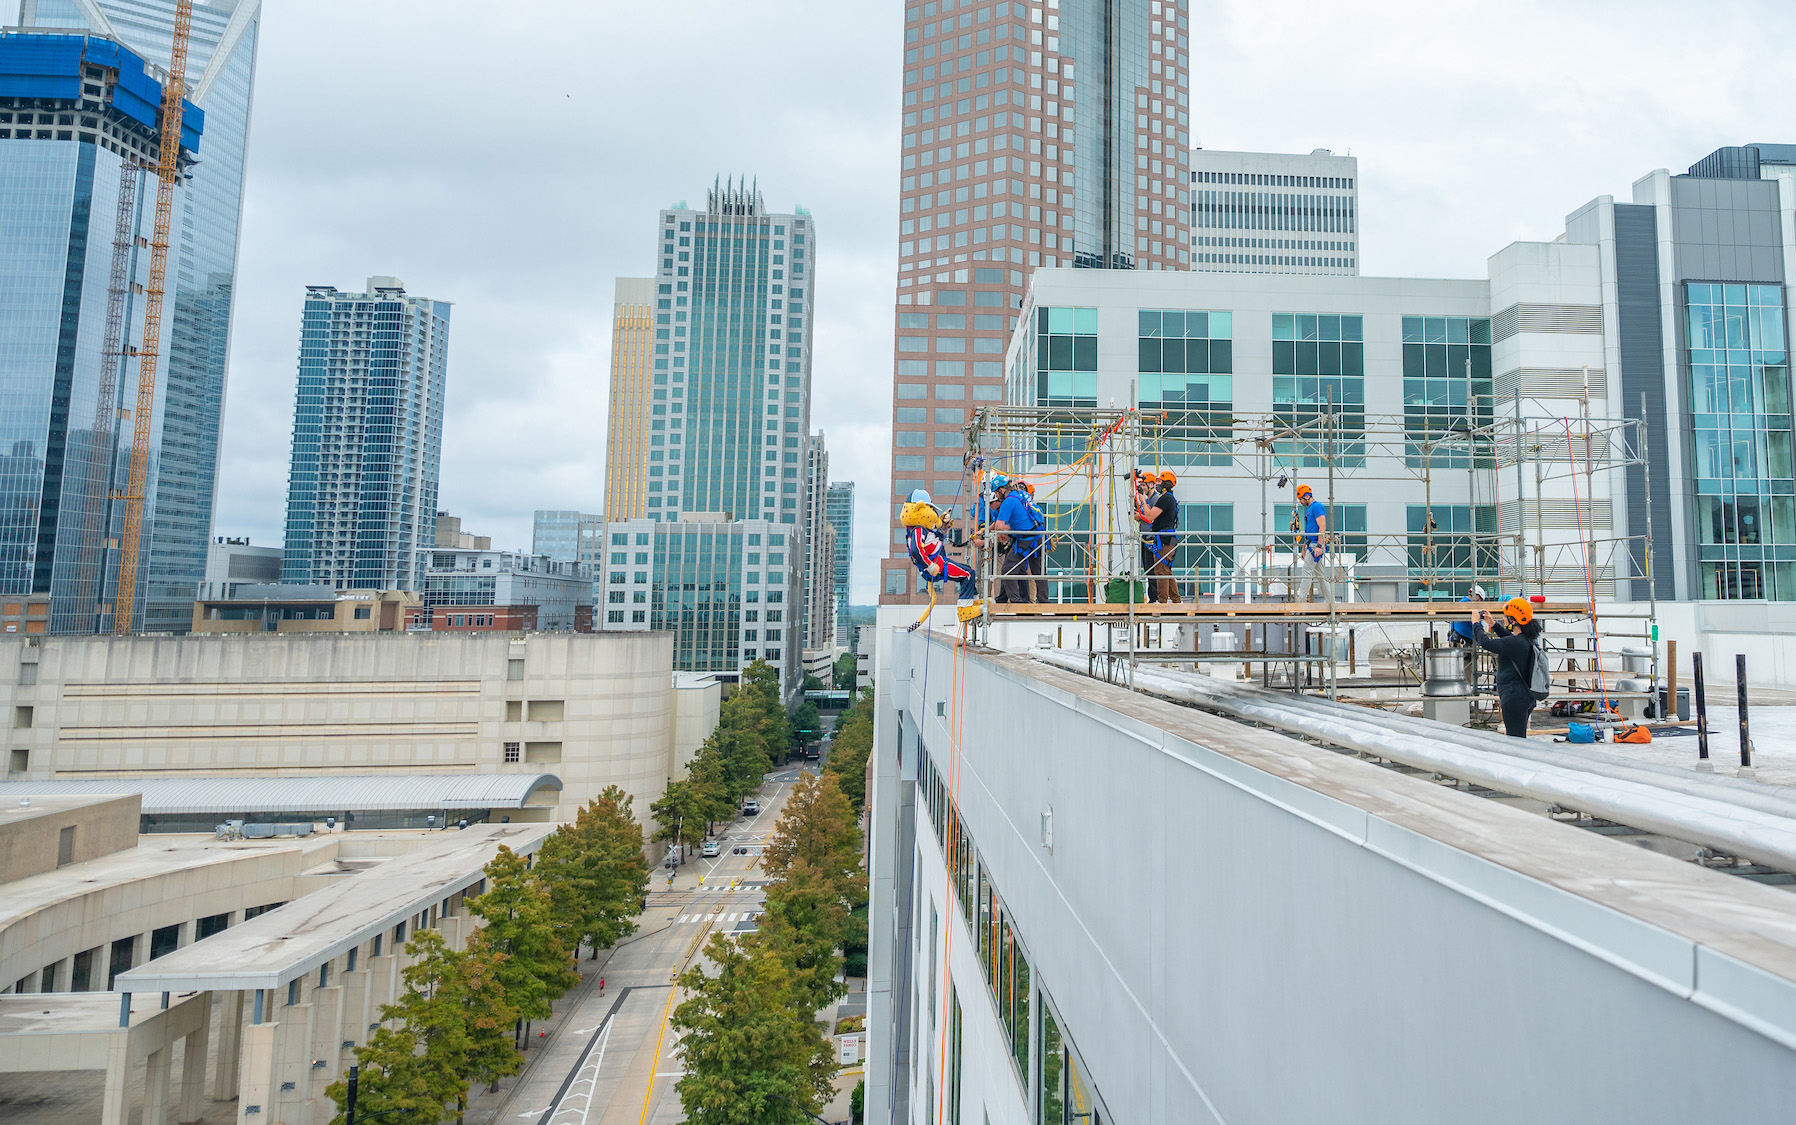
(1435, 201)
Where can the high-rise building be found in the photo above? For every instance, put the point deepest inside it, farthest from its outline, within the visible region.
(73, 301)
(1032, 136)
(367, 437)
(1274, 212)
(820, 549)
(234, 563)
(568, 536)
(627, 422)
(839, 511)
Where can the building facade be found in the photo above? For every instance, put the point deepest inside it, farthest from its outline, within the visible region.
(820, 549)
(568, 536)
(1273, 212)
(106, 248)
(458, 582)
(367, 437)
(232, 563)
(1032, 137)
(291, 608)
(839, 512)
(729, 592)
(627, 423)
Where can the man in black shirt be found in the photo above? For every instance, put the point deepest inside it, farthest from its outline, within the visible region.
(1160, 539)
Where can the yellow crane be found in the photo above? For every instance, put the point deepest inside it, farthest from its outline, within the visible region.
(168, 173)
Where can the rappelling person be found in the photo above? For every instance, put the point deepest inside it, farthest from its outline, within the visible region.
(1522, 674)
(1158, 508)
(1017, 523)
(925, 541)
(1312, 542)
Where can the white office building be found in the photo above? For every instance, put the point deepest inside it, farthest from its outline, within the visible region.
(1274, 212)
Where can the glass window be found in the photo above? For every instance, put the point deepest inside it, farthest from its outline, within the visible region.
(1319, 388)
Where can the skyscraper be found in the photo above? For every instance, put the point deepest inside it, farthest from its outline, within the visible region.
(627, 421)
(568, 536)
(88, 174)
(1033, 137)
(839, 510)
(728, 408)
(820, 549)
(367, 437)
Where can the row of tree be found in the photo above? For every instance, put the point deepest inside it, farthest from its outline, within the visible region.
(753, 1050)
(752, 727)
(464, 1015)
(850, 748)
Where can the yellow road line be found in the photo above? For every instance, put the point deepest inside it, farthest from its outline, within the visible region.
(661, 1036)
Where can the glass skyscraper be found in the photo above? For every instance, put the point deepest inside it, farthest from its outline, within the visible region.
(68, 177)
(367, 438)
(839, 509)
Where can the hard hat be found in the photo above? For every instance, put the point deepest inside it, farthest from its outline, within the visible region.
(999, 480)
(1519, 610)
(1169, 477)
(1305, 490)
(1479, 592)
(920, 496)
(1027, 487)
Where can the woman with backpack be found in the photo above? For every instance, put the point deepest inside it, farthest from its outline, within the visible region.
(1521, 662)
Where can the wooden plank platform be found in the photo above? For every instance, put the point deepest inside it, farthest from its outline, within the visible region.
(1347, 612)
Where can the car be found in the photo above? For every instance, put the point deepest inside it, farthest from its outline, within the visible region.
(710, 849)
(751, 807)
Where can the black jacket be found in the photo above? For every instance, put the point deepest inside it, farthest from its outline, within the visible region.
(1515, 658)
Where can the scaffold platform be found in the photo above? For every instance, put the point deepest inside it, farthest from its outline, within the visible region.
(1341, 612)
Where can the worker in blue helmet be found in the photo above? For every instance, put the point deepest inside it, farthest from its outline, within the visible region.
(1019, 530)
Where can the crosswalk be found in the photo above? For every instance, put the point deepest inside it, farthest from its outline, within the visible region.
(718, 918)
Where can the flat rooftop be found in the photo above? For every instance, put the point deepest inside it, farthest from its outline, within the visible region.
(269, 950)
(12, 811)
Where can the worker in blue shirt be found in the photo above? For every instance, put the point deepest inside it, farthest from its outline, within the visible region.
(1017, 525)
(1312, 544)
(1158, 508)
(1461, 633)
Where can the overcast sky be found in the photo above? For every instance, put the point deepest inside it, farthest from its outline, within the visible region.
(514, 166)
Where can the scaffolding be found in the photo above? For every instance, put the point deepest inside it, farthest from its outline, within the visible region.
(1508, 502)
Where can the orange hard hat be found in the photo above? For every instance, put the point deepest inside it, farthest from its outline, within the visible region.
(1519, 610)
(1027, 487)
(1305, 490)
(1169, 477)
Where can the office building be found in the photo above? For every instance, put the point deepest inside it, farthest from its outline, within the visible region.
(106, 241)
(367, 437)
(1273, 212)
(728, 591)
(449, 534)
(568, 536)
(820, 549)
(839, 511)
(475, 583)
(286, 607)
(627, 421)
(1033, 136)
(232, 563)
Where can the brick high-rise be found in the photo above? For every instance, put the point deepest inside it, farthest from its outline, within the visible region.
(1036, 135)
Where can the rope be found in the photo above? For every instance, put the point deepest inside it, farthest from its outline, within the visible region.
(1589, 581)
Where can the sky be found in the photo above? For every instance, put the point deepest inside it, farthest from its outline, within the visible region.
(515, 167)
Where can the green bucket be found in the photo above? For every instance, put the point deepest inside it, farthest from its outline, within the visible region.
(1117, 591)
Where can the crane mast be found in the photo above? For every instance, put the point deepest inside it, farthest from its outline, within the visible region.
(167, 175)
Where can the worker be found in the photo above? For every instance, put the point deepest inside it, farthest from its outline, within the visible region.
(925, 538)
(1515, 643)
(1159, 510)
(997, 487)
(1312, 543)
(1017, 522)
(1038, 559)
(1461, 632)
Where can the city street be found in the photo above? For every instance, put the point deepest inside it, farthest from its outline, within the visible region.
(610, 1059)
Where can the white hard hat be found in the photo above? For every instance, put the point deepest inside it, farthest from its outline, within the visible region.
(1478, 592)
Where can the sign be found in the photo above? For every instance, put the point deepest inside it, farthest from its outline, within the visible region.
(851, 1050)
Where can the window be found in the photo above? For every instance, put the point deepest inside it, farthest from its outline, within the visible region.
(21, 717)
(1451, 548)
(514, 751)
(514, 669)
(1319, 388)
(65, 846)
(1065, 346)
(1446, 390)
(1186, 361)
(363, 612)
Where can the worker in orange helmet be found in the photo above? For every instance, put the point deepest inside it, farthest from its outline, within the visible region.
(1521, 660)
(1037, 560)
(1160, 512)
(1312, 541)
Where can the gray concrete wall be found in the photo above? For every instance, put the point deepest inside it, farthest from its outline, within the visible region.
(30, 838)
(1238, 927)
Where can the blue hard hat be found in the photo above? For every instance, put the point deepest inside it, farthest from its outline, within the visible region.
(999, 480)
(920, 496)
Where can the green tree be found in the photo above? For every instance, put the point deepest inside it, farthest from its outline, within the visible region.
(812, 683)
(491, 1052)
(536, 967)
(596, 873)
(752, 1055)
(817, 827)
(805, 923)
(845, 670)
(681, 813)
(807, 724)
(850, 748)
(394, 1077)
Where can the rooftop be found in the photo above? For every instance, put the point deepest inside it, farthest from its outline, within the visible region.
(320, 793)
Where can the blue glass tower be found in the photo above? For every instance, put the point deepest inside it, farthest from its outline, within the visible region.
(367, 438)
(62, 172)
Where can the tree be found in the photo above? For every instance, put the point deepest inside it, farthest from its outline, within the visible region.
(817, 827)
(491, 1051)
(595, 872)
(850, 748)
(752, 1055)
(394, 1077)
(536, 967)
(845, 670)
(805, 923)
(807, 724)
(681, 813)
(812, 683)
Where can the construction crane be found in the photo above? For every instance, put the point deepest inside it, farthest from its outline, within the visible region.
(168, 172)
(99, 492)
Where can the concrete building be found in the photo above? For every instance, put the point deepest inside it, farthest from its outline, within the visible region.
(273, 1001)
(726, 591)
(839, 511)
(459, 581)
(290, 608)
(234, 563)
(594, 710)
(1089, 904)
(102, 262)
(449, 534)
(367, 437)
(820, 549)
(627, 422)
(1274, 212)
(1032, 137)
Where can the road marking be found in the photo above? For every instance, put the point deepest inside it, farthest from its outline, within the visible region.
(592, 1082)
(660, 1037)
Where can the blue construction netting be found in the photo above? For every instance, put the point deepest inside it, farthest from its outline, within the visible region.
(49, 66)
